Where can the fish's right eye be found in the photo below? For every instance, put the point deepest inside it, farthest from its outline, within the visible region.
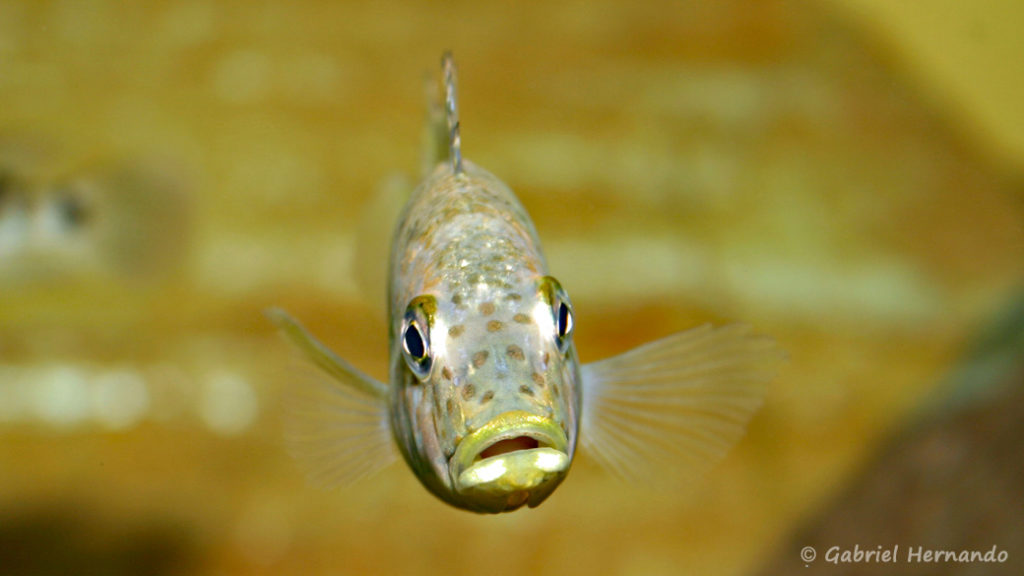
(415, 347)
(415, 336)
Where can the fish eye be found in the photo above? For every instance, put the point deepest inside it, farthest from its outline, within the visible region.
(415, 336)
(563, 324)
(561, 311)
(564, 320)
(415, 347)
(12, 192)
(71, 210)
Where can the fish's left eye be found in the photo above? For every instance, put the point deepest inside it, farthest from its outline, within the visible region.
(561, 311)
(563, 323)
(564, 320)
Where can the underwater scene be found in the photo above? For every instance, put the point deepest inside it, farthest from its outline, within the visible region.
(842, 178)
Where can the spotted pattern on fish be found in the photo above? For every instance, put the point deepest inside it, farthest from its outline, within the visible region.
(515, 352)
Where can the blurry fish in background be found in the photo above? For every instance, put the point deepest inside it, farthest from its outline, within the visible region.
(87, 243)
(487, 398)
(97, 220)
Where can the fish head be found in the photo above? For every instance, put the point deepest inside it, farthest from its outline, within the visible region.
(496, 379)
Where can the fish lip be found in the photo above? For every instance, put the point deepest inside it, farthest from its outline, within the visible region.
(549, 458)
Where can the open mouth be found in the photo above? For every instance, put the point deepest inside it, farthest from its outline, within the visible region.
(510, 445)
(515, 459)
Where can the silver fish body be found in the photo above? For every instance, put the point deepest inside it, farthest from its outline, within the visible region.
(486, 399)
(467, 260)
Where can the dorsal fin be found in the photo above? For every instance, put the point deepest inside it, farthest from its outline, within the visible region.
(435, 130)
(451, 110)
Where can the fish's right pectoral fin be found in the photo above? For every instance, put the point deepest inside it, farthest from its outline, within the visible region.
(336, 419)
(673, 408)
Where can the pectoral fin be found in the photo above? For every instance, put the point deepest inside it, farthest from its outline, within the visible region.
(337, 427)
(675, 407)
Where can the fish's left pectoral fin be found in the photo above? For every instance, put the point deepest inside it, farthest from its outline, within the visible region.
(672, 409)
(335, 417)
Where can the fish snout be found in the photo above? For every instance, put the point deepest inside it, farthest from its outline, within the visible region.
(516, 458)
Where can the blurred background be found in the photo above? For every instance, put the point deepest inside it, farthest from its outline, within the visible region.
(845, 175)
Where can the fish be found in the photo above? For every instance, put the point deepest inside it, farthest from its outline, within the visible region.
(108, 219)
(487, 401)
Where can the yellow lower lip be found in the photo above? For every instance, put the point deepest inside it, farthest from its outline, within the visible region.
(519, 470)
(510, 478)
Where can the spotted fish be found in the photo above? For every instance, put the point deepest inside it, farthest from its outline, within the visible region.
(487, 401)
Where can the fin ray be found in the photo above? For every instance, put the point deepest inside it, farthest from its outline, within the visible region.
(323, 357)
(451, 110)
(676, 405)
(435, 131)
(337, 427)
